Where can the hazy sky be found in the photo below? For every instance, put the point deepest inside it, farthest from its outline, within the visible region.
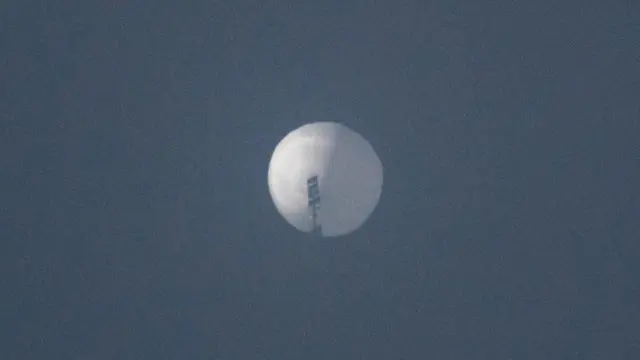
(135, 218)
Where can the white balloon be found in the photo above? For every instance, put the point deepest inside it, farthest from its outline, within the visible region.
(349, 178)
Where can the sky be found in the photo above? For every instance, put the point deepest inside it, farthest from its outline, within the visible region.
(136, 222)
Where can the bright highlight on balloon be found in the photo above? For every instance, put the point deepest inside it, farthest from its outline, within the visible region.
(324, 178)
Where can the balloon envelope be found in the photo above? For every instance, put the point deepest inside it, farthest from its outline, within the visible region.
(348, 174)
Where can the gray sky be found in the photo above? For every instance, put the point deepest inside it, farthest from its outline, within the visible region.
(136, 223)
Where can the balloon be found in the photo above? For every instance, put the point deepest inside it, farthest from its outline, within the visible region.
(325, 178)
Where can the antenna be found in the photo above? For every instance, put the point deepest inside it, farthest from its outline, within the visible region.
(313, 194)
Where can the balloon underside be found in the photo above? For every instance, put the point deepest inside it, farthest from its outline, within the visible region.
(348, 171)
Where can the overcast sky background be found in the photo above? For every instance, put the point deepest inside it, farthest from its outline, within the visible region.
(135, 216)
